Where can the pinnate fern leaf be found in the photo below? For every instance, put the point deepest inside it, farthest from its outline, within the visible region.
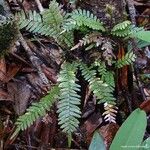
(37, 110)
(122, 29)
(100, 89)
(68, 109)
(105, 75)
(48, 23)
(94, 37)
(33, 23)
(128, 59)
(80, 18)
(121, 26)
(54, 15)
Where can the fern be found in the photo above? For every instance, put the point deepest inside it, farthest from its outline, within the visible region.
(122, 29)
(54, 15)
(105, 75)
(49, 23)
(121, 26)
(68, 110)
(128, 59)
(94, 37)
(36, 110)
(100, 89)
(81, 17)
(108, 77)
(33, 23)
(66, 38)
(110, 112)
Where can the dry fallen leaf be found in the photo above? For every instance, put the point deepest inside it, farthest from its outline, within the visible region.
(20, 94)
(108, 132)
(2, 69)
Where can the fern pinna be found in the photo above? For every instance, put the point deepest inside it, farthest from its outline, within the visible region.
(122, 29)
(128, 59)
(68, 109)
(105, 75)
(81, 17)
(37, 110)
(102, 88)
(48, 23)
(99, 88)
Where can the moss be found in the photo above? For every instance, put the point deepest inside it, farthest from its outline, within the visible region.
(8, 35)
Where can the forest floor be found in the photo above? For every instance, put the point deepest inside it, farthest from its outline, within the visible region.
(23, 80)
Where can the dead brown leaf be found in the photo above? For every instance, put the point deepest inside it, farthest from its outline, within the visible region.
(2, 69)
(108, 132)
(20, 93)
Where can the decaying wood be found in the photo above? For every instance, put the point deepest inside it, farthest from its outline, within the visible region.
(35, 61)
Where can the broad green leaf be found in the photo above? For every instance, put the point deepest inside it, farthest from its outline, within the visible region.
(130, 134)
(97, 142)
(143, 35)
(145, 145)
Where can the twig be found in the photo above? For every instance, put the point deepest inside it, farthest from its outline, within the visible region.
(139, 84)
(39, 5)
(133, 15)
(132, 11)
(35, 61)
(128, 99)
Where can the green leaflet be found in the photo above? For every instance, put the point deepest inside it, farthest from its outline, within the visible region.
(130, 134)
(36, 110)
(121, 26)
(54, 15)
(128, 59)
(49, 23)
(97, 142)
(122, 29)
(105, 75)
(100, 89)
(80, 18)
(140, 44)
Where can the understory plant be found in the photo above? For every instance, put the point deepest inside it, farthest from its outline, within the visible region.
(97, 44)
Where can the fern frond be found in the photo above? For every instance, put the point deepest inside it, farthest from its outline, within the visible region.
(101, 68)
(100, 89)
(110, 112)
(121, 26)
(94, 37)
(66, 39)
(122, 33)
(81, 17)
(105, 75)
(128, 59)
(32, 16)
(54, 15)
(33, 23)
(68, 109)
(37, 110)
(122, 29)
